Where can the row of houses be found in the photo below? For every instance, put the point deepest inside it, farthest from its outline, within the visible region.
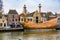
(13, 19)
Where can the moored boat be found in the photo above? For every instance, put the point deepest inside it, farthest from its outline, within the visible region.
(44, 25)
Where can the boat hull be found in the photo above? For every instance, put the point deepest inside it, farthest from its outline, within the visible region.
(45, 25)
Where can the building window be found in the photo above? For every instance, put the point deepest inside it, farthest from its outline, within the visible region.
(0, 24)
(13, 16)
(21, 19)
(9, 20)
(29, 19)
(4, 24)
(12, 19)
(36, 19)
(16, 19)
(44, 15)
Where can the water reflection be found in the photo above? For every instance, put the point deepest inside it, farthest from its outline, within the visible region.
(47, 35)
(11, 36)
(51, 35)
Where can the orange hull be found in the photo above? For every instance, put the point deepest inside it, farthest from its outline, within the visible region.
(45, 25)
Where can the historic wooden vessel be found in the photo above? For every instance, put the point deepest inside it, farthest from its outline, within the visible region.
(44, 25)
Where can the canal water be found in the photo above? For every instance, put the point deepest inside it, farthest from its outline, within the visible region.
(46, 35)
(11, 35)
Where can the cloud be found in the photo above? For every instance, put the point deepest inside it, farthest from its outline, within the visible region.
(32, 5)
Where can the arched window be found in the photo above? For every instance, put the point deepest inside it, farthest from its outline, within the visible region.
(4, 24)
(36, 19)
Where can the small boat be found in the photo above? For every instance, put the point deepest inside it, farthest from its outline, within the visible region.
(52, 23)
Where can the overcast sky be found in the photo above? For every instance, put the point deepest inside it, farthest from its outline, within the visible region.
(32, 5)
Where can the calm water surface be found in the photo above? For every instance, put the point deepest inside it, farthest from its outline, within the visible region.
(11, 35)
(49, 35)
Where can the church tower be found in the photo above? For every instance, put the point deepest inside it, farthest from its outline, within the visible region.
(1, 6)
(39, 8)
(40, 12)
(25, 9)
